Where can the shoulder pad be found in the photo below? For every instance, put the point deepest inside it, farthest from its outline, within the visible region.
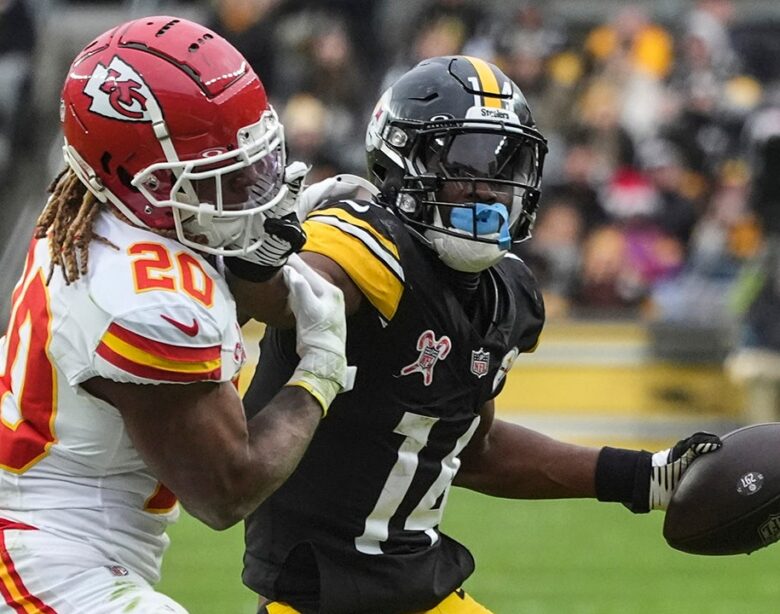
(357, 236)
(522, 278)
(169, 315)
(180, 348)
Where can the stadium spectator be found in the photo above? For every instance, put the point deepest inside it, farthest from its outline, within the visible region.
(529, 25)
(662, 165)
(598, 110)
(708, 23)
(438, 311)
(333, 74)
(554, 255)
(250, 26)
(442, 36)
(465, 16)
(634, 55)
(124, 343)
(723, 239)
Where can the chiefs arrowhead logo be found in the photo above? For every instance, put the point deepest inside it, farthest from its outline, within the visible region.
(119, 92)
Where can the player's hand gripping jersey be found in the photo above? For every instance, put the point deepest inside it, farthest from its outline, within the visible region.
(151, 311)
(360, 516)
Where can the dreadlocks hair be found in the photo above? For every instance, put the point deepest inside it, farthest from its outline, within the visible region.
(67, 221)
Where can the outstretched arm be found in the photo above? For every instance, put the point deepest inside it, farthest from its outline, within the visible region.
(507, 460)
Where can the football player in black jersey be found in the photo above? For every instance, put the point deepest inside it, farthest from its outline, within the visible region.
(438, 311)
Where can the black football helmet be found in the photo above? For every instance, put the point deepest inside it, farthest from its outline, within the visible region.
(458, 121)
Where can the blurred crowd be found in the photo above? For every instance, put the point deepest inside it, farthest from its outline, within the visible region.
(648, 203)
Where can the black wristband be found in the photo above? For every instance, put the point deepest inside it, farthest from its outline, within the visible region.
(249, 271)
(624, 476)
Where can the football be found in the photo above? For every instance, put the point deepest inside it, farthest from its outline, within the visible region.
(728, 502)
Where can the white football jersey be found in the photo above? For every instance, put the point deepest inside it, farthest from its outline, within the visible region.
(148, 311)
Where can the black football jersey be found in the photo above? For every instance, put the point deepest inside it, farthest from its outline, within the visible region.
(356, 527)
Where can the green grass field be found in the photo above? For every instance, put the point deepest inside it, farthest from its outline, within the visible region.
(533, 557)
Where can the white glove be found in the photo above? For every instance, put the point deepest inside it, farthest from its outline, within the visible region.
(669, 465)
(644, 481)
(340, 187)
(282, 230)
(321, 332)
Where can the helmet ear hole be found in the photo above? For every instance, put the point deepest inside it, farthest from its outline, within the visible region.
(126, 179)
(105, 161)
(379, 172)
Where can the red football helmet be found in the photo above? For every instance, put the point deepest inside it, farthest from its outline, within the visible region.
(166, 121)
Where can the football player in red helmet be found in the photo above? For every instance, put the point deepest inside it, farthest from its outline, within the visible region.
(438, 311)
(117, 375)
(173, 128)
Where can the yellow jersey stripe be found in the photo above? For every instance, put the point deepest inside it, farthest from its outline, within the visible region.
(487, 80)
(378, 283)
(141, 357)
(351, 219)
(280, 608)
(390, 260)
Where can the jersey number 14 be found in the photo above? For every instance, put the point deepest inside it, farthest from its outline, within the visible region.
(426, 516)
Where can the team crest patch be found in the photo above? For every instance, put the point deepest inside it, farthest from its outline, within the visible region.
(506, 364)
(431, 351)
(119, 92)
(480, 362)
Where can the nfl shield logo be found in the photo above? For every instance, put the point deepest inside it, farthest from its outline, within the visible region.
(480, 362)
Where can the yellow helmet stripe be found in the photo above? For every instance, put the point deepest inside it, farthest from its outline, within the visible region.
(487, 81)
